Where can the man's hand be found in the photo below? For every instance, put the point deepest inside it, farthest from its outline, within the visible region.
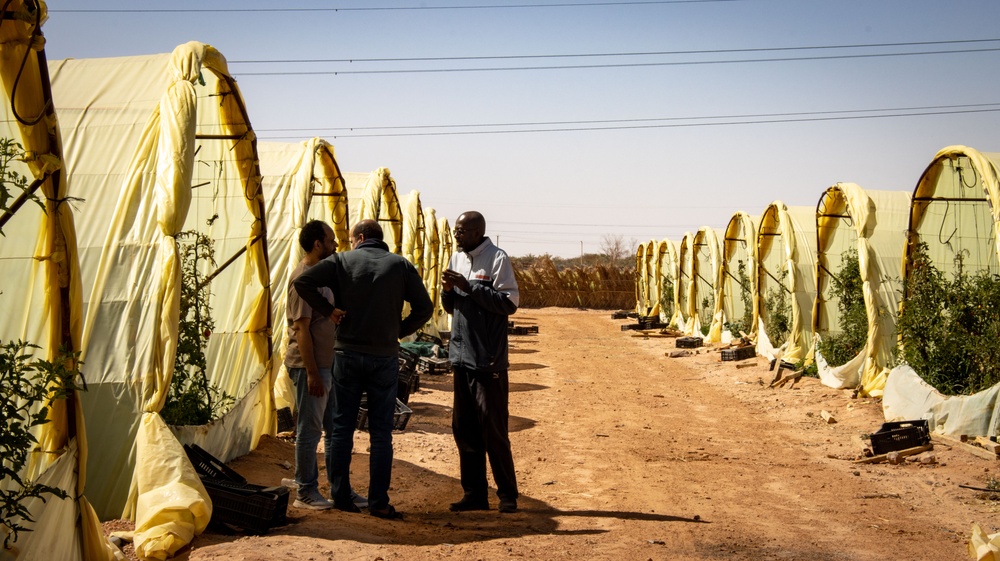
(453, 279)
(316, 388)
(337, 315)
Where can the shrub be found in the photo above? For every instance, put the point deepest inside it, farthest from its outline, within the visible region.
(192, 400)
(707, 312)
(778, 312)
(745, 323)
(26, 382)
(11, 179)
(948, 329)
(838, 348)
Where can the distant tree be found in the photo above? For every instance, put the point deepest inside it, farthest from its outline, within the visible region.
(614, 247)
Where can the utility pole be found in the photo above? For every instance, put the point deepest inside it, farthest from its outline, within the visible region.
(581, 253)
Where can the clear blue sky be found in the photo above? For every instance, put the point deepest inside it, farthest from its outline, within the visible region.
(682, 140)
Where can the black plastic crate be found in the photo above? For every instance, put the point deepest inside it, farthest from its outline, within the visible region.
(688, 342)
(286, 420)
(433, 366)
(739, 353)
(207, 465)
(399, 418)
(428, 338)
(621, 314)
(900, 435)
(254, 508)
(407, 384)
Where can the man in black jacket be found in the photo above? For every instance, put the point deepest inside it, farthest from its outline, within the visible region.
(370, 284)
(480, 291)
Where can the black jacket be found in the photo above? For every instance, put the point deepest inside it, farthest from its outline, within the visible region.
(370, 284)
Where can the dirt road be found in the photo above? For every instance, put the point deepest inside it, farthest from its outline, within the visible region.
(623, 453)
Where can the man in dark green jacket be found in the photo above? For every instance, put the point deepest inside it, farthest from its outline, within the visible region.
(370, 285)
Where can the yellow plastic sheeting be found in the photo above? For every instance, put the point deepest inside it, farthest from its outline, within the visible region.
(442, 319)
(706, 264)
(873, 224)
(414, 231)
(685, 274)
(301, 182)
(738, 268)
(171, 506)
(983, 546)
(955, 210)
(652, 288)
(432, 267)
(42, 295)
(641, 289)
(786, 237)
(157, 145)
(665, 268)
(373, 196)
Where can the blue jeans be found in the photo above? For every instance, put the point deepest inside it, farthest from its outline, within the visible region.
(315, 416)
(353, 374)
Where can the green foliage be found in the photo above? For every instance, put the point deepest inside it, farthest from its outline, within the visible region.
(778, 312)
(192, 400)
(745, 322)
(838, 348)
(949, 328)
(10, 179)
(28, 387)
(667, 295)
(706, 313)
(811, 369)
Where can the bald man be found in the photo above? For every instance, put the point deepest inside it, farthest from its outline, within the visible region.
(480, 292)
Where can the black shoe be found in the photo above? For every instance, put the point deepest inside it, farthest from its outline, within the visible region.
(390, 513)
(469, 503)
(347, 506)
(508, 505)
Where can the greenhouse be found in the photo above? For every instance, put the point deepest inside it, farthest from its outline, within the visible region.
(162, 164)
(786, 282)
(441, 318)
(736, 294)
(301, 182)
(414, 230)
(373, 196)
(642, 303)
(41, 301)
(666, 279)
(860, 239)
(682, 319)
(949, 262)
(706, 263)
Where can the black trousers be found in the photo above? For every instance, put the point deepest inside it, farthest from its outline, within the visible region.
(479, 423)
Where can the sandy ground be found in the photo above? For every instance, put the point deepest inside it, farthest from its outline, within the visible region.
(624, 453)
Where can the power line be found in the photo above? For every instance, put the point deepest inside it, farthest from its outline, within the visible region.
(612, 65)
(387, 8)
(621, 54)
(639, 120)
(654, 126)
